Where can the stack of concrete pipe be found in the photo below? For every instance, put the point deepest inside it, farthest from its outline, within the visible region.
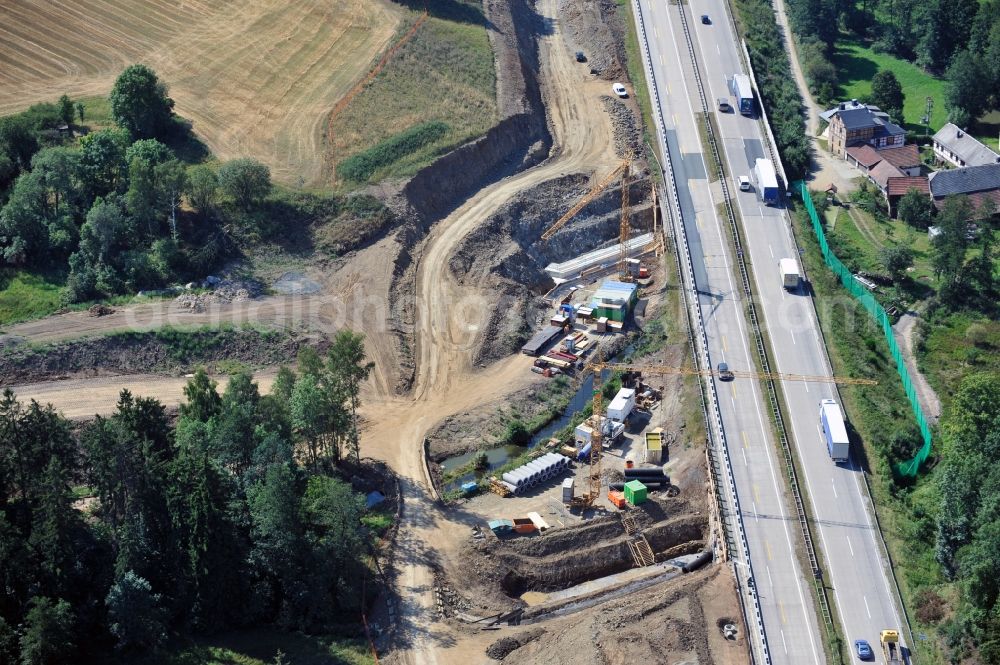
(536, 471)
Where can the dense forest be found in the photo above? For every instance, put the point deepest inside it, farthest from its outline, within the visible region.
(138, 205)
(956, 39)
(233, 516)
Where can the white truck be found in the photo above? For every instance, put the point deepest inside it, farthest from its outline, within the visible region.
(789, 273)
(831, 422)
(767, 181)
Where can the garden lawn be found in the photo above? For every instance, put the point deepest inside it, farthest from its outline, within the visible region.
(857, 66)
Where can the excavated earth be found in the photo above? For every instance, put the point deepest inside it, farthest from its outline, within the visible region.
(496, 572)
(680, 621)
(150, 353)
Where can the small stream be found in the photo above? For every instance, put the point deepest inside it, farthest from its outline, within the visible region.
(497, 457)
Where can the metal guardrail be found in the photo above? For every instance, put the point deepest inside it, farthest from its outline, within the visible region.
(704, 360)
(758, 337)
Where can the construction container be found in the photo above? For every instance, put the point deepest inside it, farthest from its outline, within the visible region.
(500, 527)
(602, 324)
(621, 406)
(635, 492)
(617, 499)
(568, 450)
(654, 446)
(567, 490)
(523, 525)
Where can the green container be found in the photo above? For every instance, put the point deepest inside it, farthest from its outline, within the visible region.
(635, 492)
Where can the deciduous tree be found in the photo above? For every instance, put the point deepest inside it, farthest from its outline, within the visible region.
(887, 94)
(139, 103)
(246, 181)
(916, 209)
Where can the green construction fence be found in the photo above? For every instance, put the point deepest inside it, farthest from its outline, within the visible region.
(910, 467)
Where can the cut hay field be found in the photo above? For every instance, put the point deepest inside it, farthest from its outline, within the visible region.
(257, 77)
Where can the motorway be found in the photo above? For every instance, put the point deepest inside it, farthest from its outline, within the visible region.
(842, 527)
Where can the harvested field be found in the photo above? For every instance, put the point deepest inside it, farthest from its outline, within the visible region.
(257, 77)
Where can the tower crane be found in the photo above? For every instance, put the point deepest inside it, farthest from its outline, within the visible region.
(587, 198)
(624, 231)
(599, 366)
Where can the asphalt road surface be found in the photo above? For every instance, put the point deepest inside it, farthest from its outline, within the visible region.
(843, 527)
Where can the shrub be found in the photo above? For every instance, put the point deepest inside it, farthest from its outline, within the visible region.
(363, 165)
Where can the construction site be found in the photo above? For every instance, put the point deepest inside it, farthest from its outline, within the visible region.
(600, 544)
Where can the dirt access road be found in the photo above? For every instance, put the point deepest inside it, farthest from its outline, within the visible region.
(449, 320)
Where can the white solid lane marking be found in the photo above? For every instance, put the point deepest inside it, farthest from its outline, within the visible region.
(755, 395)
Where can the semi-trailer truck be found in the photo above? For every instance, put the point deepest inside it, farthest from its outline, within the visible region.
(831, 421)
(767, 181)
(739, 85)
(789, 273)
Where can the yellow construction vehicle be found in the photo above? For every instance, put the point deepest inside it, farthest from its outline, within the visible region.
(891, 650)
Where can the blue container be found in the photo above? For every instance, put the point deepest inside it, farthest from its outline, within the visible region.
(469, 487)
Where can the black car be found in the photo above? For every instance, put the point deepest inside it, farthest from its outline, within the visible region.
(705, 19)
(580, 57)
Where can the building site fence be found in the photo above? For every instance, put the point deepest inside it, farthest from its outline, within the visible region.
(868, 301)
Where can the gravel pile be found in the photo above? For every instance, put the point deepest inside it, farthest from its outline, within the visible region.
(224, 292)
(625, 129)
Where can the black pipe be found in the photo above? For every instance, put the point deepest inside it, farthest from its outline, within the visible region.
(698, 562)
(633, 473)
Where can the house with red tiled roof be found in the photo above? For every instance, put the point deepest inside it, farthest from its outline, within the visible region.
(881, 172)
(906, 158)
(863, 157)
